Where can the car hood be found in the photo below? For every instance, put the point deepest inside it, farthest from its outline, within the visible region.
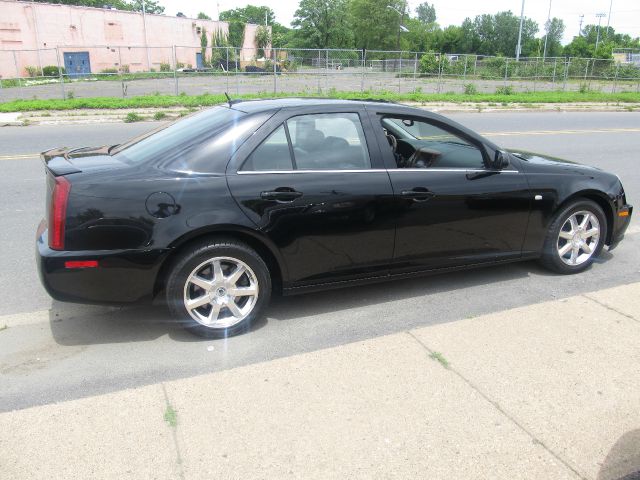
(549, 163)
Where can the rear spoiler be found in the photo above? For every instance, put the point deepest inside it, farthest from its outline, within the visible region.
(57, 162)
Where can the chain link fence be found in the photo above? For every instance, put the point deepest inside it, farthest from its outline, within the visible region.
(83, 72)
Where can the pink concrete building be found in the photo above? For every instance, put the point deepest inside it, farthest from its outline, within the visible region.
(90, 40)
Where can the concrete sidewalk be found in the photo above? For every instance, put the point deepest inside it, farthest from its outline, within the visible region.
(548, 391)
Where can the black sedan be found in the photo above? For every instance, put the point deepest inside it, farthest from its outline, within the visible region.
(217, 210)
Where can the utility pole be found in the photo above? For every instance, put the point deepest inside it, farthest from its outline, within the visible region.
(519, 47)
(144, 28)
(548, 25)
(600, 17)
(609, 17)
(580, 26)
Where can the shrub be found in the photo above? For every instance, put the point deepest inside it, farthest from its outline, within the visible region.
(470, 89)
(109, 70)
(429, 63)
(124, 68)
(52, 71)
(584, 88)
(165, 67)
(180, 65)
(159, 115)
(504, 90)
(132, 117)
(70, 94)
(33, 71)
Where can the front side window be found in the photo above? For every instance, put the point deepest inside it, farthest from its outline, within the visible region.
(420, 144)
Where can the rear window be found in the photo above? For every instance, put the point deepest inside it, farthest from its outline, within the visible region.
(202, 142)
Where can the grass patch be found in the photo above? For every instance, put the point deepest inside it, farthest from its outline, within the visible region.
(192, 102)
(133, 117)
(171, 416)
(159, 115)
(438, 357)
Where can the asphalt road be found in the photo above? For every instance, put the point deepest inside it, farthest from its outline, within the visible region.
(74, 351)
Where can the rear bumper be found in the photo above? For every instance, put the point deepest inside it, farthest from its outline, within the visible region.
(122, 276)
(620, 224)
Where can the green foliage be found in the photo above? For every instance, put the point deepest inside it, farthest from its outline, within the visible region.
(426, 13)
(504, 90)
(33, 71)
(70, 95)
(204, 43)
(159, 115)
(263, 39)
(52, 71)
(380, 33)
(165, 67)
(133, 117)
(470, 89)
(430, 63)
(124, 68)
(203, 16)
(249, 14)
(109, 70)
(323, 24)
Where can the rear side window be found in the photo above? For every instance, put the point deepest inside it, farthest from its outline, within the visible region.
(332, 141)
(272, 154)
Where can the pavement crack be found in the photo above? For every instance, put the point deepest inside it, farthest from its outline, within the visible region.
(174, 434)
(609, 307)
(498, 407)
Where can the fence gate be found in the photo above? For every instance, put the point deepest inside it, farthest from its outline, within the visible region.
(77, 63)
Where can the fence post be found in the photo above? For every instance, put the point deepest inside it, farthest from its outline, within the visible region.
(18, 76)
(400, 75)
(227, 67)
(175, 70)
(555, 66)
(237, 62)
(363, 57)
(60, 73)
(326, 69)
(464, 74)
(567, 63)
(586, 70)
(275, 76)
(318, 75)
(615, 78)
(475, 66)
(506, 70)
(415, 68)
(439, 72)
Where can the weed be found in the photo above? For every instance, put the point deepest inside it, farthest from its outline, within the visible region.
(171, 416)
(71, 95)
(438, 357)
(132, 117)
(470, 89)
(159, 115)
(584, 88)
(504, 90)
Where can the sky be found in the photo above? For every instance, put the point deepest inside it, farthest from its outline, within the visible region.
(625, 14)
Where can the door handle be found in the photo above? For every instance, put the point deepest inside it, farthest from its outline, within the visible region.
(281, 194)
(418, 194)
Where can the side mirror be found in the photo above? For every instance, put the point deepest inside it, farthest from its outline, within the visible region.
(500, 160)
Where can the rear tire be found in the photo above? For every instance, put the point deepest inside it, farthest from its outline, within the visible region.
(218, 287)
(575, 237)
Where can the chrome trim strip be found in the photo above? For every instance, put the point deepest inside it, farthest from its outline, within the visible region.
(369, 170)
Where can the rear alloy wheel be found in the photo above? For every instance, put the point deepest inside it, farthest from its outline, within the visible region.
(575, 237)
(218, 288)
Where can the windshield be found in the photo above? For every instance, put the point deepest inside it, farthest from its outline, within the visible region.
(177, 138)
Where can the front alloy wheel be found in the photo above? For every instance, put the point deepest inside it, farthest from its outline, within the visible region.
(578, 238)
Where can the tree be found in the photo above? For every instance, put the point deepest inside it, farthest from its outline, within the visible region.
(323, 24)
(426, 13)
(381, 33)
(263, 40)
(204, 42)
(554, 29)
(249, 14)
(498, 34)
(203, 16)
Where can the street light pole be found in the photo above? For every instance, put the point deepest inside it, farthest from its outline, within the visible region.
(546, 37)
(144, 28)
(519, 47)
(609, 17)
(600, 16)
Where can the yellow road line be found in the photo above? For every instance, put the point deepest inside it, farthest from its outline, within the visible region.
(486, 134)
(560, 132)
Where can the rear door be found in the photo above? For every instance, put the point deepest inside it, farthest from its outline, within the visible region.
(313, 181)
(452, 209)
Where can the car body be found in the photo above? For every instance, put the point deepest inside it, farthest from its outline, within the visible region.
(342, 218)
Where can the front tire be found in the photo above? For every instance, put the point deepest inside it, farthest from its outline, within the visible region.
(217, 288)
(575, 237)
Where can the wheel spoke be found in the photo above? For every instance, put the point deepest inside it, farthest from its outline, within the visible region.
(585, 221)
(203, 283)
(234, 309)
(216, 266)
(575, 251)
(237, 273)
(213, 314)
(566, 235)
(198, 302)
(585, 247)
(565, 249)
(590, 233)
(243, 291)
(574, 223)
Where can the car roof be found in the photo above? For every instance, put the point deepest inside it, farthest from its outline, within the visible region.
(252, 106)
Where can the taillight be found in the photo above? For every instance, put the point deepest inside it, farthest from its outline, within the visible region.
(58, 213)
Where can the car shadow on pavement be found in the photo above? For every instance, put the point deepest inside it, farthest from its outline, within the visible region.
(623, 460)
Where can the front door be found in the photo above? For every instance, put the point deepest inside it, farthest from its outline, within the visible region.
(77, 64)
(317, 190)
(451, 208)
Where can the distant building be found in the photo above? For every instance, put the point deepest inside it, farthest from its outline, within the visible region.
(90, 40)
(627, 55)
